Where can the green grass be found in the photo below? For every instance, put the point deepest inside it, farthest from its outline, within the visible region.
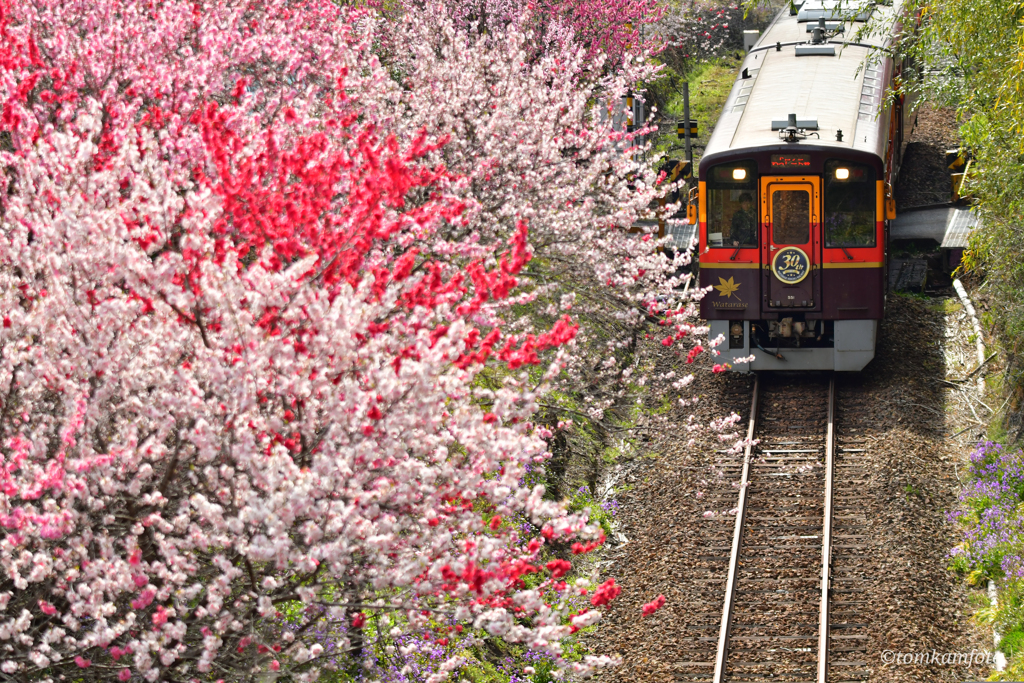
(978, 600)
(1012, 642)
(583, 500)
(709, 88)
(912, 295)
(946, 306)
(997, 430)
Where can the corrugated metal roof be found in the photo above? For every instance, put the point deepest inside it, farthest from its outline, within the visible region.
(951, 226)
(962, 223)
(922, 224)
(682, 233)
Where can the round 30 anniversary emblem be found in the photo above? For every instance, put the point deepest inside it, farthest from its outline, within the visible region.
(791, 265)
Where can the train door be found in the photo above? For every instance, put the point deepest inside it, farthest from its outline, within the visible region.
(791, 242)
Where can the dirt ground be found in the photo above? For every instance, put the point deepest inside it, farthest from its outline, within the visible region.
(924, 429)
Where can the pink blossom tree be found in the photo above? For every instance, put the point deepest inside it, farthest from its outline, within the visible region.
(608, 30)
(248, 282)
(613, 29)
(694, 32)
(532, 145)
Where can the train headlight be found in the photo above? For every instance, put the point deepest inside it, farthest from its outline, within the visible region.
(739, 174)
(736, 330)
(842, 174)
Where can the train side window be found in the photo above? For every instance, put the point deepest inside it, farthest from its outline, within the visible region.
(850, 201)
(732, 205)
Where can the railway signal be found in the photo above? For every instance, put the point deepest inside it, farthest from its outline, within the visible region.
(681, 127)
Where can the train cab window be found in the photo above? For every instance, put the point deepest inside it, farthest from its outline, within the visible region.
(791, 217)
(732, 205)
(850, 201)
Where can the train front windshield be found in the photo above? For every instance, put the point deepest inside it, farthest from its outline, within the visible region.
(732, 205)
(850, 198)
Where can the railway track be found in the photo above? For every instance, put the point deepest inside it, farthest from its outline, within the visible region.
(785, 563)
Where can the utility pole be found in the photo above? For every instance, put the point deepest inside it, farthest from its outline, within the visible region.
(686, 124)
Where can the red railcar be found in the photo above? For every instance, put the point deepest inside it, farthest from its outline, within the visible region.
(795, 193)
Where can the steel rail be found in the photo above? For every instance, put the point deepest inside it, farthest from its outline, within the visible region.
(826, 538)
(741, 508)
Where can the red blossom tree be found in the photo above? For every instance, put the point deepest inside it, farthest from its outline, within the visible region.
(608, 30)
(238, 360)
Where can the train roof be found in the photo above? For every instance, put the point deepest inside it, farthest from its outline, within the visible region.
(839, 84)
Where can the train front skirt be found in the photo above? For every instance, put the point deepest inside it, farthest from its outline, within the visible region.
(853, 348)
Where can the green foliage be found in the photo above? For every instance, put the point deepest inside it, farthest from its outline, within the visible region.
(947, 306)
(990, 519)
(584, 500)
(973, 51)
(1014, 671)
(1009, 619)
(978, 599)
(481, 671)
(972, 263)
(710, 84)
(1012, 642)
(997, 431)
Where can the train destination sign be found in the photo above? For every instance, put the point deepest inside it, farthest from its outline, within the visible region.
(789, 162)
(791, 265)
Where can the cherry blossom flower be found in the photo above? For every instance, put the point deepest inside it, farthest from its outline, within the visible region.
(254, 258)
